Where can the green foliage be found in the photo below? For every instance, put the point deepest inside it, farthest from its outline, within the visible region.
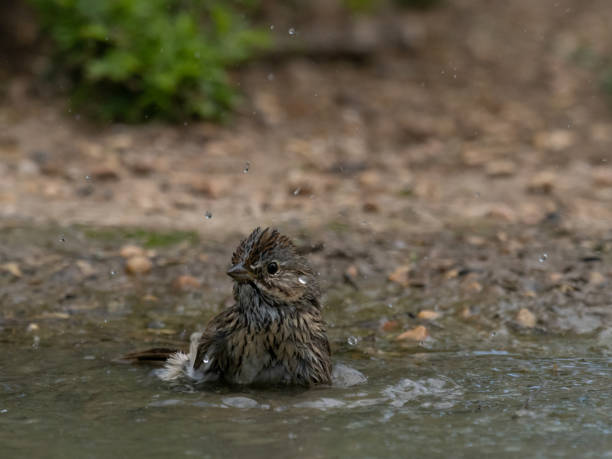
(131, 60)
(367, 6)
(148, 238)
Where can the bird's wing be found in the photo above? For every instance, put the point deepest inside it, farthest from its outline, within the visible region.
(214, 336)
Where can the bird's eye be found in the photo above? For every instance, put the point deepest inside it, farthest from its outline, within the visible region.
(272, 267)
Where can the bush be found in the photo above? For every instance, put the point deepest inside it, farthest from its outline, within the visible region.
(130, 60)
(369, 5)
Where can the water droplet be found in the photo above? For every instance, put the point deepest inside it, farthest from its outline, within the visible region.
(292, 31)
(112, 273)
(208, 215)
(390, 305)
(296, 191)
(87, 177)
(302, 280)
(543, 258)
(271, 26)
(246, 168)
(352, 340)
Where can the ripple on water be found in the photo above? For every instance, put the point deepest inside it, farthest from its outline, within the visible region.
(407, 390)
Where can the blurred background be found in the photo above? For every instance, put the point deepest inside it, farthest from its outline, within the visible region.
(407, 112)
(446, 165)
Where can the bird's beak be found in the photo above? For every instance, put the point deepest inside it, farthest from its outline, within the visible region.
(239, 273)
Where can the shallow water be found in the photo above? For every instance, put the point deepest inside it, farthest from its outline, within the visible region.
(475, 387)
(62, 400)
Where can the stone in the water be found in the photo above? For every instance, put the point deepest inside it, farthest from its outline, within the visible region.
(240, 402)
(345, 376)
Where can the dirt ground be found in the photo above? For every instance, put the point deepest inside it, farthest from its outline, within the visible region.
(467, 166)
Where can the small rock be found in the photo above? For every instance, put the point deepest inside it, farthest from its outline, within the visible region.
(370, 181)
(389, 325)
(352, 271)
(556, 140)
(500, 168)
(502, 212)
(129, 251)
(602, 177)
(451, 274)
(428, 314)
(401, 276)
(475, 158)
(466, 313)
(186, 282)
(12, 268)
(32, 327)
(555, 278)
(138, 265)
(477, 241)
(471, 285)
(526, 318)
(85, 268)
(139, 165)
(596, 278)
(206, 186)
(542, 183)
(418, 333)
(370, 207)
(105, 173)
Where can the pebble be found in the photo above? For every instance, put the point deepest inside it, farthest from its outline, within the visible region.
(526, 318)
(12, 268)
(596, 278)
(186, 282)
(206, 186)
(370, 207)
(129, 251)
(602, 177)
(542, 183)
(85, 268)
(428, 314)
(138, 265)
(401, 276)
(389, 325)
(105, 173)
(418, 333)
(556, 140)
(500, 168)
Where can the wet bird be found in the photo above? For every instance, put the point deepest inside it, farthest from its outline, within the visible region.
(273, 334)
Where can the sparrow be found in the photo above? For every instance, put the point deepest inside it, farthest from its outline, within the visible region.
(273, 334)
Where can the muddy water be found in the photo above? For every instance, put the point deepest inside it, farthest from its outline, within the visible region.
(468, 390)
(65, 398)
